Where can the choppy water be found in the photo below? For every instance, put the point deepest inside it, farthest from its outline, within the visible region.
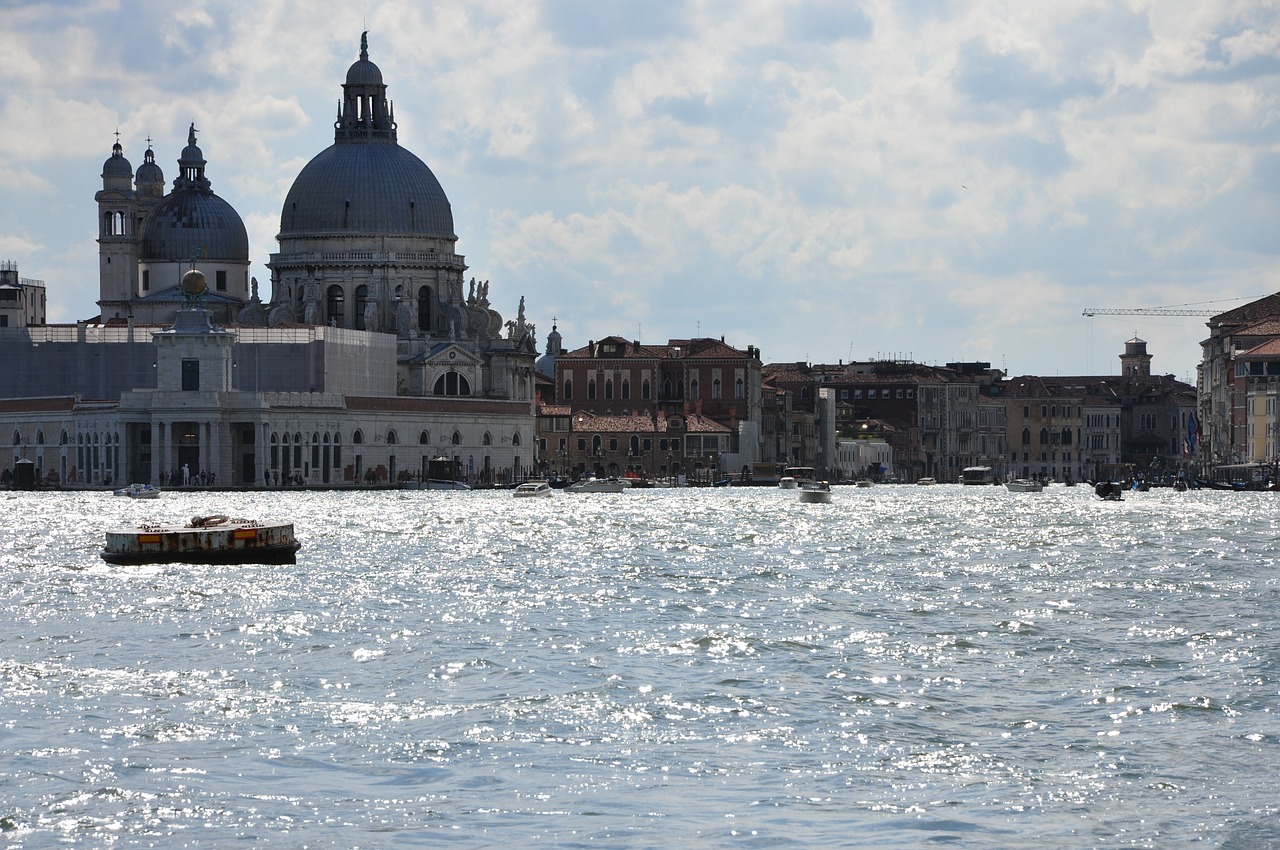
(907, 667)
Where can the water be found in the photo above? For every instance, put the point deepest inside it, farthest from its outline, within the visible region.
(906, 667)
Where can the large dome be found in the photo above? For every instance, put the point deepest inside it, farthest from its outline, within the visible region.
(189, 223)
(362, 189)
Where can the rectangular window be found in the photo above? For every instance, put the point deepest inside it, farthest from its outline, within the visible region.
(146, 280)
(221, 278)
(582, 444)
(190, 375)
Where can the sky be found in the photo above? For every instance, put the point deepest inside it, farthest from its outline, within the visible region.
(827, 180)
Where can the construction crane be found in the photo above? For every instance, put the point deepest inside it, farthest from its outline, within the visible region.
(1147, 311)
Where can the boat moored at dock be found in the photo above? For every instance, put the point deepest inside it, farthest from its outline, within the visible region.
(215, 539)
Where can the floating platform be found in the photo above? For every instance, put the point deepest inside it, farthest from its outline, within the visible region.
(215, 539)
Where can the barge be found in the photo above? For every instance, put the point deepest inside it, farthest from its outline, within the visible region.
(215, 539)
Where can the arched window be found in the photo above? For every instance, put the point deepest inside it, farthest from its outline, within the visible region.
(693, 388)
(315, 437)
(456, 439)
(40, 437)
(424, 438)
(591, 388)
(739, 389)
(645, 390)
(391, 438)
(608, 388)
(63, 439)
(635, 445)
(424, 308)
(487, 439)
(334, 305)
(1026, 436)
(666, 388)
(515, 438)
(1044, 436)
(626, 388)
(568, 389)
(362, 298)
(357, 437)
(715, 388)
(595, 445)
(451, 383)
(17, 438)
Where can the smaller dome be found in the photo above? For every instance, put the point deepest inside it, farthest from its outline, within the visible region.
(192, 154)
(149, 172)
(117, 165)
(364, 73)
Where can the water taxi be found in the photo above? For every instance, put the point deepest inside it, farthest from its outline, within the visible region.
(533, 488)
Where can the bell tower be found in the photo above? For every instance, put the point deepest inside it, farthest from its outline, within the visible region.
(1135, 362)
(117, 236)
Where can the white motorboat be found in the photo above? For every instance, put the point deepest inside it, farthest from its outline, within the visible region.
(533, 488)
(816, 493)
(863, 482)
(591, 484)
(924, 482)
(1024, 485)
(139, 491)
(786, 482)
(213, 539)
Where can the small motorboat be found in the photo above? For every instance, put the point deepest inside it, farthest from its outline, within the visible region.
(1023, 485)
(215, 539)
(786, 482)
(816, 493)
(1111, 491)
(138, 491)
(533, 488)
(926, 482)
(591, 484)
(864, 482)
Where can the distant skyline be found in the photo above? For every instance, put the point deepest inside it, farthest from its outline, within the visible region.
(826, 180)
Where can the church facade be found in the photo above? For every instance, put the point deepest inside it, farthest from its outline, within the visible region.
(371, 362)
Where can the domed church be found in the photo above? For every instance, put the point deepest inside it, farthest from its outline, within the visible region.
(367, 242)
(372, 363)
(147, 240)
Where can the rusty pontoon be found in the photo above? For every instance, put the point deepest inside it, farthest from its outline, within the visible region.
(215, 539)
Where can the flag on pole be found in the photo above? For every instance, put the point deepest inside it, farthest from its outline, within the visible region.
(1193, 432)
